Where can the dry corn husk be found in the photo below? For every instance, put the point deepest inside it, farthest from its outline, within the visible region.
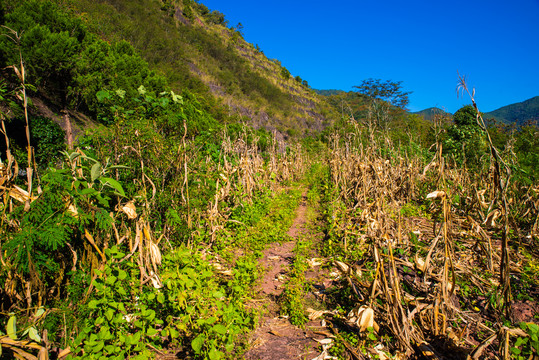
(20, 194)
(314, 262)
(419, 263)
(315, 314)
(438, 194)
(130, 210)
(72, 210)
(155, 253)
(222, 270)
(342, 266)
(363, 317)
(491, 217)
(156, 282)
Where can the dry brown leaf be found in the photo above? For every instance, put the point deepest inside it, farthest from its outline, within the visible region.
(72, 210)
(438, 194)
(315, 314)
(363, 317)
(342, 266)
(314, 262)
(491, 218)
(20, 194)
(419, 263)
(130, 210)
(325, 341)
(156, 282)
(155, 253)
(64, 352)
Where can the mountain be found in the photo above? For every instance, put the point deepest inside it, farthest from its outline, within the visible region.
(518, 113)
(196, 49)
(430, 113)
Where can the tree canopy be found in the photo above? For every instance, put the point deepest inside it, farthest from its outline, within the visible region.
(388, 90)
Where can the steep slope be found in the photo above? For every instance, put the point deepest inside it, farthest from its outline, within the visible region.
(518, 113)
(195, 49)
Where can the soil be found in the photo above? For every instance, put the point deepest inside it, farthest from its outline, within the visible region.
(276, 338)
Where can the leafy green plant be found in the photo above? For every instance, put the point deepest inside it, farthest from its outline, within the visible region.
(526, 347)
(292, 299)
(121, 324)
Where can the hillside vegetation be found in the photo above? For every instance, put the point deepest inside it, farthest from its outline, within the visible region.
(138, 228)
(519, 113)
(195, 49)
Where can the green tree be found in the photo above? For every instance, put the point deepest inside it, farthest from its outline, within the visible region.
(388, 100)
(285, 73)
(465, 139)
(465, 116)
(389, 91)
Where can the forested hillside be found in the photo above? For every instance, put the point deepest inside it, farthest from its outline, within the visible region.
(168, 192)
(519, 113)
(197, 49)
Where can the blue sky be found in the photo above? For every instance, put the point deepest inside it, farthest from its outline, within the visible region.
(336, 44)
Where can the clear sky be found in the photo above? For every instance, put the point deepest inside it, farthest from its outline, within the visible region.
(336, 44)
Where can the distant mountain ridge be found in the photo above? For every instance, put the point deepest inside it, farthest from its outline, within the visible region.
(518, 113)
(430, 113)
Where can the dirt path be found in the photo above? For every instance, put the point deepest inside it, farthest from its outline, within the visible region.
(276, 338)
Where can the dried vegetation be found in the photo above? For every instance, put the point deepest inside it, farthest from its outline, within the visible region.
(436, 258)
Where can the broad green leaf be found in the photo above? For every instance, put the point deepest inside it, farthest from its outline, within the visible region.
(520, 341)
(33, 334)
(96, 171)
(93, 304)
(136, 336)
(215, 354)
(97, 348)
(122, 274)
(40, 312)
(176, 98)
(197, 343)
(120, 93)
(113, 184)
(151, 331)
(109, 314)
(160, 298)
(111, 280)
(11, 327)
(219, 328)
(102, 95)
(121, 290)
(174, 333)
(149, 314)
